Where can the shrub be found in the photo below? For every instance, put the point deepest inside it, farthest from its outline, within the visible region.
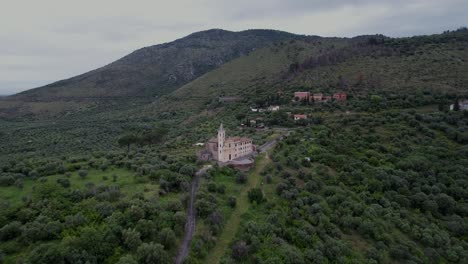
(232, 201)
(255, 195)
(10, 231)
(83, 173)
(64, 182)
(221, 189)
(241, 178)
(212, 187)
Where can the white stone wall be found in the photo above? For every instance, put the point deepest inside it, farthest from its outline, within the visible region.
(234, 150)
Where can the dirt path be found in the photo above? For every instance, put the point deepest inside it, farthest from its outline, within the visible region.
(232, 224)
(191, 217)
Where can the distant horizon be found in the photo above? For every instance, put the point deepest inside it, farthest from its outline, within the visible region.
(53, 40)
(44, 83)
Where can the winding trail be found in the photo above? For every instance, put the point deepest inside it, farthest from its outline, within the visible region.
(191, 217)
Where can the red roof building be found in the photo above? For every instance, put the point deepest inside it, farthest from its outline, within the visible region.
(298, 117)
(342, 96)
(302, 96)
(318, 97)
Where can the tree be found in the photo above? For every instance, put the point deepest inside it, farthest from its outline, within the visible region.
(131, 238)
(375, 99)
(135, 213)
(241, 178)
(456, 105)
(154, 136)
(445, 203)
(127, 259)
(83, 173)
(127, 140)
(232, 201)
(46, 253)
(255, 195)
(9, 231)
(167, 238)
(64, 182)
(215, 221)
(100, 243)
(188, 170)
(240, 250)
(150, 253)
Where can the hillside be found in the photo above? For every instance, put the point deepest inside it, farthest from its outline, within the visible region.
(401, 73)
(404, 72)
(144, 74)
(378, 178)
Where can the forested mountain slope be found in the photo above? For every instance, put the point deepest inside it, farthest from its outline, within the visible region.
(144, 74)
(419, 70)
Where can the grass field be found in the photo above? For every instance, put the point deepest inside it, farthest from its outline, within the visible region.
(232, 224)
(125, 181)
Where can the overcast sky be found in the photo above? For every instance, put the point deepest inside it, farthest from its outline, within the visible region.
(42, 41)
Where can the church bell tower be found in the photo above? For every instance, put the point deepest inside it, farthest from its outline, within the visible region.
(221, 139)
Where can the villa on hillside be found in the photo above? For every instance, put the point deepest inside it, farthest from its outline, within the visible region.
(319, 97)
(225, 149)
(299, 117)
(273, 108)
(463, 105)
(342, 96)
(302, 96)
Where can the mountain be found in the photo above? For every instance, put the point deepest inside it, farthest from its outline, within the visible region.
(378, 178)
(146, 73)
(405, 71)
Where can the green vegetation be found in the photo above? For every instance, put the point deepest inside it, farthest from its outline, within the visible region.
(379, 188)
(98, 209)
(379, 178)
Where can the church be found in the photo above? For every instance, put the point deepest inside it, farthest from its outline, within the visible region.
(225, 149)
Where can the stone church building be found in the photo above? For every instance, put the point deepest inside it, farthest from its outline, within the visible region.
(225, 149)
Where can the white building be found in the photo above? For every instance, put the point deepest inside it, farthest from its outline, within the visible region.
(225, 149)
(463, 105)
(273, 108)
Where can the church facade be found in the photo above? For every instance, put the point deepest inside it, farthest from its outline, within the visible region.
(225, 149)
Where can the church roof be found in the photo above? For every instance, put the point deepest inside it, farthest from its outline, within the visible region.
(238, 139)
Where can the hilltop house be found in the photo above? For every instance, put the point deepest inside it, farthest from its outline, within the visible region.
(302, 96)
(273, 108)
(318, 97)
(299, 117)
(225, 149)
(462, 104)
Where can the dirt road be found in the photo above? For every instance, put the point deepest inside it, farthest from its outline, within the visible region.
(191, 217)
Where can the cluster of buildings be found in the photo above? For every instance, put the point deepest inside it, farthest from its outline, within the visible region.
(271, 108)
(319, 97)
(225, 149)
